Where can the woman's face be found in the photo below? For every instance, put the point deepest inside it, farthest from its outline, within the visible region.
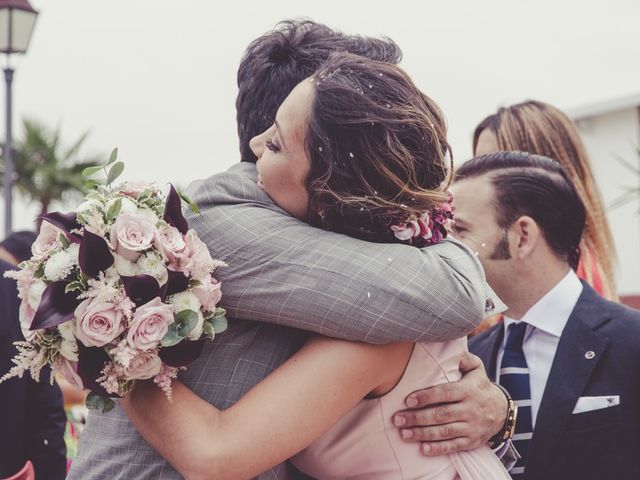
(487, 143)
(283, 164)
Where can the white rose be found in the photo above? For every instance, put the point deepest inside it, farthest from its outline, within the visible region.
(67, 330)
(35, 293)
(152, 264)
(185, 301)
(88, 205)
(69, 350)
(124, 267)
(60, 264)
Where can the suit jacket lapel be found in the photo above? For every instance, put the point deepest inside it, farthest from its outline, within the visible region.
(487, 349)
(572, 367)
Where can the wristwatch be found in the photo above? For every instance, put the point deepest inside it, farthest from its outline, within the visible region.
(509, 427)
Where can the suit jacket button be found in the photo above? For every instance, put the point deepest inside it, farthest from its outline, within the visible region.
(589, 355)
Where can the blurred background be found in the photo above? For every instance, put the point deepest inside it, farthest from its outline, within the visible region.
(157, 79)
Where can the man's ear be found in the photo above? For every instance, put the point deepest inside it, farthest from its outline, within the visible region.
(527, 236)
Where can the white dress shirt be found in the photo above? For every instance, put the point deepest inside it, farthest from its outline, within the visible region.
(546, 321)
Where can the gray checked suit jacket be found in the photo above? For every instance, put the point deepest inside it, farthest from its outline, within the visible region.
(285, 279)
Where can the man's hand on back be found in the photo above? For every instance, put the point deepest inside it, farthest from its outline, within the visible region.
(456, 416)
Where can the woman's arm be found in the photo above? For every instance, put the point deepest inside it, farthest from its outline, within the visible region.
(283, 414)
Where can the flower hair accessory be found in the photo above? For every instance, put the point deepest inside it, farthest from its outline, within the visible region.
(429, 228)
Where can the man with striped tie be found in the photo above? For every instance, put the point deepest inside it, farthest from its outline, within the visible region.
(566, 356)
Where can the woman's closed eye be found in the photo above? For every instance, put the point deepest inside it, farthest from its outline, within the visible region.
(272, 146)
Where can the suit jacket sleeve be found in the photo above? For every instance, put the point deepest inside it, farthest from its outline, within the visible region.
(283, 271)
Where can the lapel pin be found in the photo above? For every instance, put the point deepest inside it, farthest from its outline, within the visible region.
(589, 355)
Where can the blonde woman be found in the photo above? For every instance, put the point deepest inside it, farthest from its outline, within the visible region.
(540, 128)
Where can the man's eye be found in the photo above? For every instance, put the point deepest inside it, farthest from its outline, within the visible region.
(272, 146)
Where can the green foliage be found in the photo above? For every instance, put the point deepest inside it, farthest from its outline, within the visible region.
(185, 322)
(99, 403)
(46, 170)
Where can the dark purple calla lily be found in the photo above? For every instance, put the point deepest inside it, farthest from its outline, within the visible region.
(141, 288)
(65, 222)
(173, 212)
(176, 283)
(183, 353)
(91, 361)
(55, 307)
(94, 255)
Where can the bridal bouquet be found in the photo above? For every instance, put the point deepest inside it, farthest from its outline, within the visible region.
(119, 290)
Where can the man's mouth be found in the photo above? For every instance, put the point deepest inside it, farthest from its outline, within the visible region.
(260, 183)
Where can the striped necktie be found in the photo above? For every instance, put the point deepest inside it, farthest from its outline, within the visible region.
(514, 376)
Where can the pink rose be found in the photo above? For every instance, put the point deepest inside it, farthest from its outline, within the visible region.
(97, 322)
(47, 240)
(150, 323)
(170, 244)
(406, 231)
(208, 292)
(133, 189)
(131, 234)
(69, 371)
(144, 365)
(199, 263)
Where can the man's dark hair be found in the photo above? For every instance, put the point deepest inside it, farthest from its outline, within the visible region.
(538, 187)
(19, 244)
(276, 62)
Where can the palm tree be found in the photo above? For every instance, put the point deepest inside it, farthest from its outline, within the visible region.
(46, 171)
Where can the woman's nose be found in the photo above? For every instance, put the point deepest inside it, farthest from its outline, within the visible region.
(257, 143)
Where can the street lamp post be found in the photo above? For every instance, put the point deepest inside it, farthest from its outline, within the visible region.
(17, 19)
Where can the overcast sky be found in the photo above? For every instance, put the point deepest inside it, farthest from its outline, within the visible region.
(157, 78)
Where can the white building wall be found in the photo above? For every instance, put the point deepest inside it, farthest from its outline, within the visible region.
(608, 137)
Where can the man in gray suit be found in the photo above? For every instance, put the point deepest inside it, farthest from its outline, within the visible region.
(286, 278)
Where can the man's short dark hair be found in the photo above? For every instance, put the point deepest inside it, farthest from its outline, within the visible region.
(276, 62)
(538, 187)
(19, 244)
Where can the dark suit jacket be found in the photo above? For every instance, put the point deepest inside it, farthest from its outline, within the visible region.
(596, 445)
(32, 418)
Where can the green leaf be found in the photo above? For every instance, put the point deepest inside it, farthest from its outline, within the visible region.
(113, 156)
(193, 205)
(208, 330)
(100, 403)
(187, 321)
(172, 337)
(87, 172)
(90, 184)
(73, 286)
(64, 241)
(114, 172)
(220, 312)
(114, 210)
(39, 273)
(219, 324)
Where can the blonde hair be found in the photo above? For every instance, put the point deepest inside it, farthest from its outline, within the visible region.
(542, 129)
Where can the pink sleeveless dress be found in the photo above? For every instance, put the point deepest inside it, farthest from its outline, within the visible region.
(364, 444)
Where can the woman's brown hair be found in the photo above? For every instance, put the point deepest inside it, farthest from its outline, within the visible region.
(542, 129)
(377, 146)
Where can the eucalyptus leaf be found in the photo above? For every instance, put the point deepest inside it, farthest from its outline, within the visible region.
(208, 330)
(187, 321)
(220, 312)
(87, 172)
(219, 324)
(172, 337)
(114, 172)
(193, 205)
(98, 402)
(113, 156)
(114, 210)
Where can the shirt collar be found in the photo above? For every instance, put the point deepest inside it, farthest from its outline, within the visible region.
(552, 311)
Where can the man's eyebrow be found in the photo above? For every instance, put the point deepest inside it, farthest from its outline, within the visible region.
(279, 130)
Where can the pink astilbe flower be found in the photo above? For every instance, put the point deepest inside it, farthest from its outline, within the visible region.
(165, 378)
